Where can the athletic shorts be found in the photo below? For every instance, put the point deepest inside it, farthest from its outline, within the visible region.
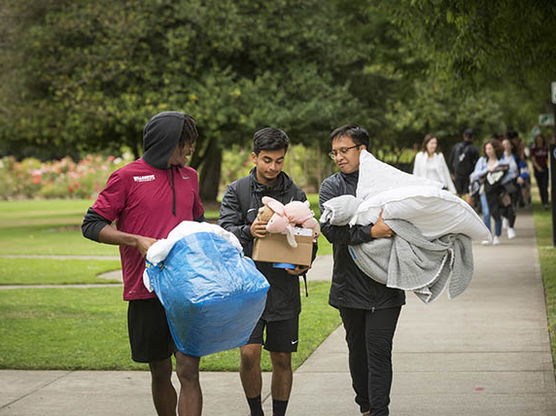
(149, 335)
(281, 336)
(462, 184)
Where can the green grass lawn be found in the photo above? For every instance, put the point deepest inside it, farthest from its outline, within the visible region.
(72, 328)
(52, 227)
(21, 271)
(547, 258)
(47, 227)
(62, 238)
(324, 246)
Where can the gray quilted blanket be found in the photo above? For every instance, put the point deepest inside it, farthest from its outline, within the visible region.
(408, 261)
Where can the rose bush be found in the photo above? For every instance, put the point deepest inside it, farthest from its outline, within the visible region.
(65, 178)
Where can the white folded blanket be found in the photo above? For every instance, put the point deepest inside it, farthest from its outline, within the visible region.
(434, 228)
(399, 195)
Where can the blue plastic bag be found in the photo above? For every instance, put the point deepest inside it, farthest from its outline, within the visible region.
(213, 295)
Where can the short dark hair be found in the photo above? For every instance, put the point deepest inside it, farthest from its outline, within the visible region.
(469, 133)
(270, 138)
(358, 134)
(512, 134)
(189, 133)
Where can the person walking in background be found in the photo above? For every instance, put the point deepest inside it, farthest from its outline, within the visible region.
(513, 143)
(430, 164)
(539, 157)
(519, 147)
(488, 176)
(369, 310)
(462, 161)
(511, 186)
(148, 198)
(523, 180)
(280, 318)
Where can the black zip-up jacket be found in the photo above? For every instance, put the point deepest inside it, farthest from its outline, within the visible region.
(463, 158)
(283, 299)
(351, 288)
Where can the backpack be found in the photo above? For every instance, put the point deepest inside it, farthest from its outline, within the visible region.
(465, 159)
(244, 195)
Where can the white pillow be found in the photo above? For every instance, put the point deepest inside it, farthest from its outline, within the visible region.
(433, 211)
(376, 176)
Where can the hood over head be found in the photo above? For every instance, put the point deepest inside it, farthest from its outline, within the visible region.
(161, 136)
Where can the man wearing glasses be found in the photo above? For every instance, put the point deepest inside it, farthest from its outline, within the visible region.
(369, 310)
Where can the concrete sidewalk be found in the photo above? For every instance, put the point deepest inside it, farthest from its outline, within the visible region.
(485, 353)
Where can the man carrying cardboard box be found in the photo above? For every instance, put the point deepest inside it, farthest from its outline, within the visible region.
(238, 214)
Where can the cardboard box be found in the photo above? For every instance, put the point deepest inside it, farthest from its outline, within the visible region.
(274, 248)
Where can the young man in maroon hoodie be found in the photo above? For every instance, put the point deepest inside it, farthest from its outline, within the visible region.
(146, 199)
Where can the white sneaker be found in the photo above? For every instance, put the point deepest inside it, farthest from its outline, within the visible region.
(486, 242)
(495, 241)
(511, 233)
(505, 223)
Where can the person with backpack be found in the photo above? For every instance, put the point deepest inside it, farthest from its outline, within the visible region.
(462, 162)
(277, 329)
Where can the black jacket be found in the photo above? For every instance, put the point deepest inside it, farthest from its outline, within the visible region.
(463, 158)
(283, 300)
(351, 288)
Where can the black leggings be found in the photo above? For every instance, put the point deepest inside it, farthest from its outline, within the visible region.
(497, 209)
(509, 213)
(369, 337)
(542, 183)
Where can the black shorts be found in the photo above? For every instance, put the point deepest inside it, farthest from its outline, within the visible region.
(281, 336)
(462, 185)
(149, 335)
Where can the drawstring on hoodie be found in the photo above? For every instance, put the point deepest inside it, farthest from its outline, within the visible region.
(173, 191)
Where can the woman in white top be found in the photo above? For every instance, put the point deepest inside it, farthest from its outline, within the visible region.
(430, 163)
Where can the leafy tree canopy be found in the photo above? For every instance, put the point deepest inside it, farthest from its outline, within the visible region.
(86, 74)
(482, 39)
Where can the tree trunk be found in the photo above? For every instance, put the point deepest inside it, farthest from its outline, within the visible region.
(136, 148)
(209, 175)
(134, 140)
(320, 175)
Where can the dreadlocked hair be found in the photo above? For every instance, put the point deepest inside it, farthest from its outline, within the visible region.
(189, 132)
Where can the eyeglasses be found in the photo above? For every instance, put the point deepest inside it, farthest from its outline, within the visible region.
(341, 151)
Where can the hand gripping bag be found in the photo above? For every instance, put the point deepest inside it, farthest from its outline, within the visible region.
(213, 295)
